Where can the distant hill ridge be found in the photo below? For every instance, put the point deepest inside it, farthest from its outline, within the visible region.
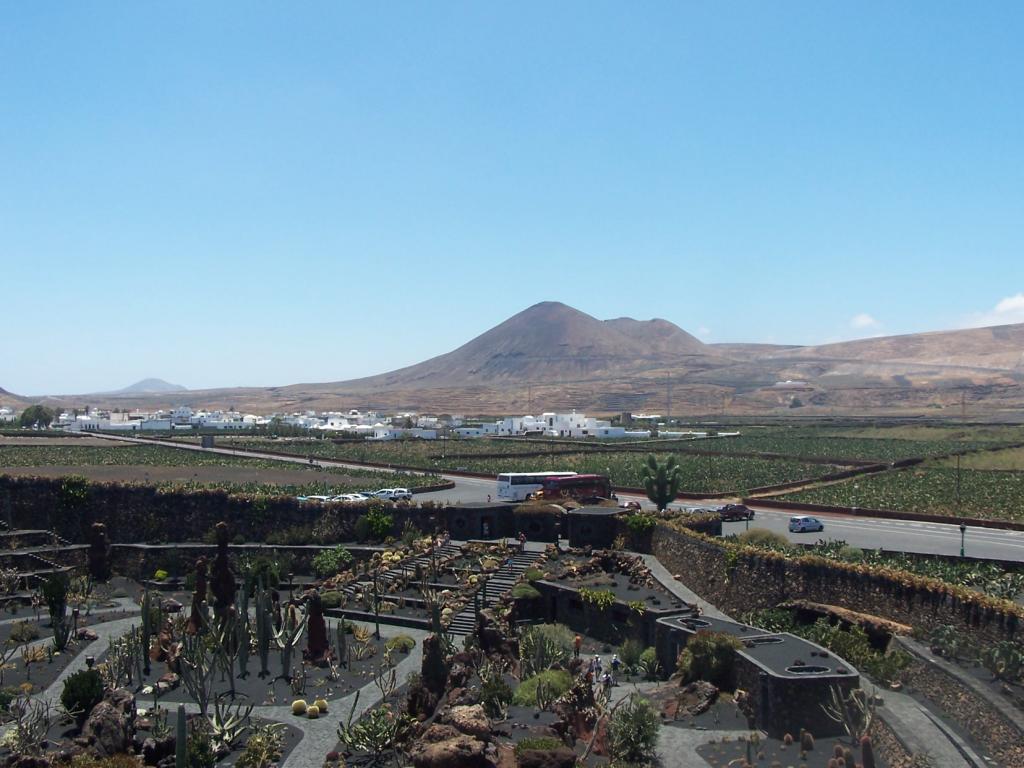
(149, 386)
(554, 356)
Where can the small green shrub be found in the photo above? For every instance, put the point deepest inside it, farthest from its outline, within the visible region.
(82, 691)
(161, 575)
(762, 537)
(524, 591)
(263, 747)
(640, 524)
(602, 599)
(533, 574)
(495, 696)
(629, 653)
(55, 592)
(558, 681)
(648, 665)
(633, 732)
(331, 599)
(401, 643)
(199, 751)
(24, 632)
(329, 562)
(538, 743)
(361, 529)
(709, 656)
(379, 522)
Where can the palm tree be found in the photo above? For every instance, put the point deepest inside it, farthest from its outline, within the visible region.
(662, 480)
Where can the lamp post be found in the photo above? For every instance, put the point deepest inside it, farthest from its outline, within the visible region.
(963, 530)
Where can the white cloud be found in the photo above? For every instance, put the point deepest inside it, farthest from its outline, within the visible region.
(703, 332)
(864, 320)
(1008, 310)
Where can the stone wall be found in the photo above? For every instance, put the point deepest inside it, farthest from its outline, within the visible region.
(997, 725)
(141, 561)
(145, 513)
(738, 580)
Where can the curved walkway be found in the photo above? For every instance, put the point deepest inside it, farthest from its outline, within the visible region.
(318, 736)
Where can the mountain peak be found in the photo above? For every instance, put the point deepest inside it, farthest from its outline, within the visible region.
(150, 386)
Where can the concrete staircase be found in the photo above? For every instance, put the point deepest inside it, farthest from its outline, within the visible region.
(407, 568)
(497, 586)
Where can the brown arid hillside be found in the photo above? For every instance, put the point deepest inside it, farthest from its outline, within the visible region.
(551, 356)
(999, 347)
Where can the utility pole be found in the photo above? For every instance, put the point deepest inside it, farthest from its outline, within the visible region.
(958, 482)
(668, 399)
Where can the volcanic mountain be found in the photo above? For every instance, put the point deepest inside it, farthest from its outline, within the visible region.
(149, 386)
(550, 342)
(551, 356)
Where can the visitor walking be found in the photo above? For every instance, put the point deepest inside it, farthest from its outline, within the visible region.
(616, 663)
(606, 684)
(522, 542)
(577, 643)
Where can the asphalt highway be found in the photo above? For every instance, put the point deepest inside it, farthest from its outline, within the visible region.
(864, 532)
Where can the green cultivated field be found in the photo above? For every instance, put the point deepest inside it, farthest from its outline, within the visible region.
(701, 474)
(928, 489)
(156, 465)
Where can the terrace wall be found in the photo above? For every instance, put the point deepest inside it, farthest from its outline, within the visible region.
(998, 726)
(135, 513)
(738, 581)
(141, 561)
(560, 603)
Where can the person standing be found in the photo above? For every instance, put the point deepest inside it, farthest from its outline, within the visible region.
(577, 643)
(522, 542)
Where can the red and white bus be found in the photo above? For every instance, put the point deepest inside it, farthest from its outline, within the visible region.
(517, 486)
(577, 487)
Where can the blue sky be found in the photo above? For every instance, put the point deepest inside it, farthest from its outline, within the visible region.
(226, 194)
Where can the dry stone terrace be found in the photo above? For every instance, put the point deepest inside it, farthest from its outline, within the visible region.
(433, 630)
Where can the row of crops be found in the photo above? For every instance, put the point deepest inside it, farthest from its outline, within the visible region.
(122, 455)
(985, 577)
(850, 444)
(701, 474)
(928, 489)
(145, 462)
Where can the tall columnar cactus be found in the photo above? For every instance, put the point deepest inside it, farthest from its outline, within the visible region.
(867, 752)
(244, 638)
(264, 628)
(181, 739)
(62, 628)
(662, 480)
(288, 637)
(147, 629)
(342, 643)
(197, 667)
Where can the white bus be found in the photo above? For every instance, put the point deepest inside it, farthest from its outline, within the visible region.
(516, 486)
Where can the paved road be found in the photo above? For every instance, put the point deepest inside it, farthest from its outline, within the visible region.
(864, 532)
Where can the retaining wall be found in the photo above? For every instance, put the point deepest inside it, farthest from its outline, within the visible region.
(739, 581)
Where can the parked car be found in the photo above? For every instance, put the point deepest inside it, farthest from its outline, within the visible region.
(731, 512)
(802, 523)
(313, 499)
(394, 494)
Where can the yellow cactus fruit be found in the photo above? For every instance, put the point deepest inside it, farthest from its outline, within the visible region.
(313, 712)
(299, 707)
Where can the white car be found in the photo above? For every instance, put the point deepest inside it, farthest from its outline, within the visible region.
(349, 497)
(394, 494)
(802, 523)
(313, 499)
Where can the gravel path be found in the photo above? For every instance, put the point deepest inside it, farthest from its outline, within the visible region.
(319, 736)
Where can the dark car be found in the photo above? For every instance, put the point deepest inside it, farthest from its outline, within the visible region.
(731, 512)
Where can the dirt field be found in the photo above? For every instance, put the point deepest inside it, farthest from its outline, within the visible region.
(202, 475)
(52, 441)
